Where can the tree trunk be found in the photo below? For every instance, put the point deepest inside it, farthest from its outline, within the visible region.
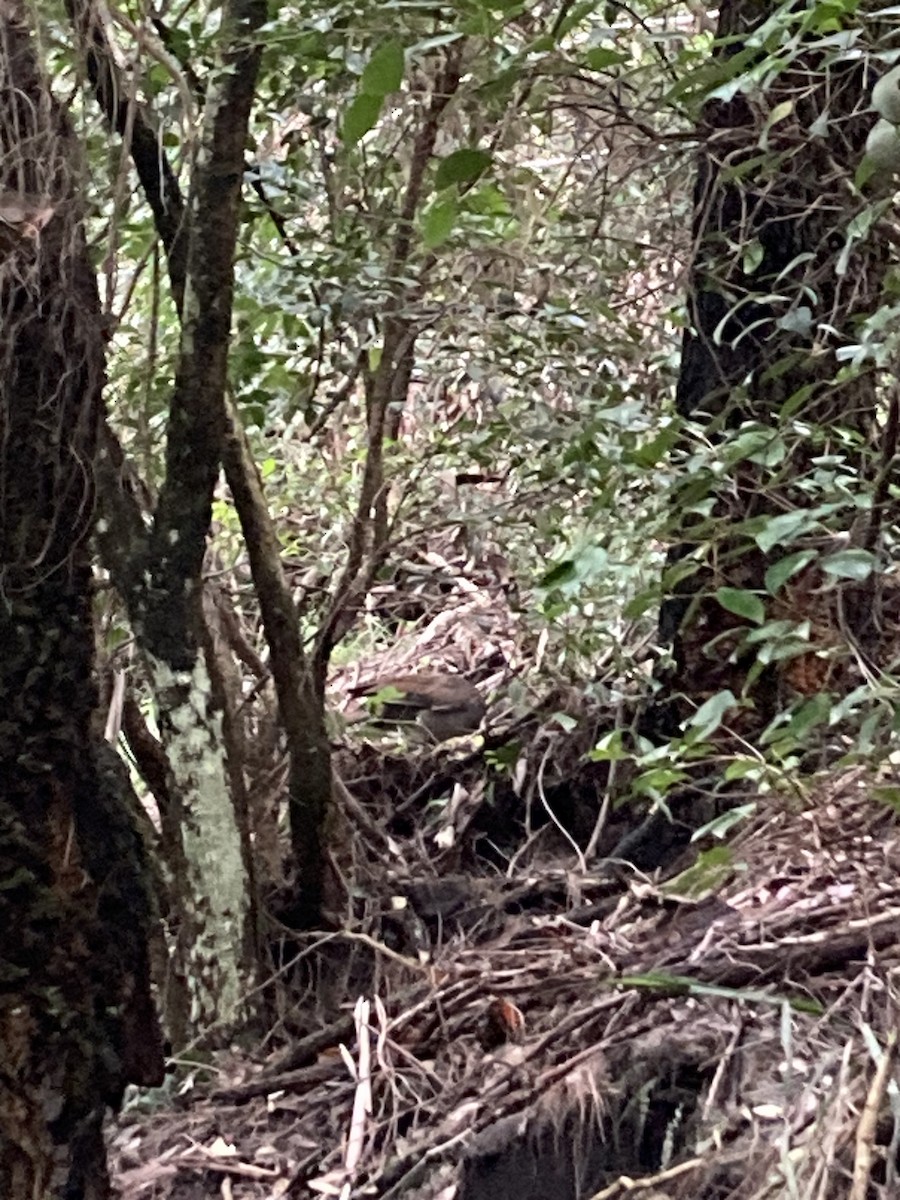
(74, 907)
(160, 575)
(777, 288)
(301, 700)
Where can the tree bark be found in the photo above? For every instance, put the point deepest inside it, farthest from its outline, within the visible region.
(159, 572)
(776, 289)
(75, 907)
(300, 701)
(215, 936)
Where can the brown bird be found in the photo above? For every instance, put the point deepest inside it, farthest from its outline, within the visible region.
(446, 706)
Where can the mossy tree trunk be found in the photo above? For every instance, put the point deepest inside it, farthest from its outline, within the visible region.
(160, 574)
(300, 700)
(76, 1019)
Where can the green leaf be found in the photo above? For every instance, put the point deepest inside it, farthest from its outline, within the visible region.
(772, 652)
(683, 985)
(561, 572)
(602, 57)
(779, 112)
(649, 453)
(886, 794)
(609, 748)
(639, 604)
(774, 630)
(705, 876)
(749, 440)
(116, 635)
(752, 256)
(564, 721)
(438, 221)
(360, 117)
(742, 603)
(814, 711)
(571, 17)
(709, 716)
(797, 320)
(505, 757)
(850, 564)
(744, 768)
(432, 43)
(384, 71)
(851, 704)
(254, 414)
(771, 454)
(540, 45)
(657, 781)
(721, 826)
(796, 400)
(462, 166)
(780, 572)
(487, 200)
(784, 528)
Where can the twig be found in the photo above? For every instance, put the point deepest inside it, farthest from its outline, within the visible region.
(362, 1099)
(624, 1184)
(865, 1130)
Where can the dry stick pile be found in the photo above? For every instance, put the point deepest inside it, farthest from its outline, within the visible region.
(735, 1046)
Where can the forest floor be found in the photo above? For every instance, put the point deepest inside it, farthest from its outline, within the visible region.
(728, 1032)
(510, 1010)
